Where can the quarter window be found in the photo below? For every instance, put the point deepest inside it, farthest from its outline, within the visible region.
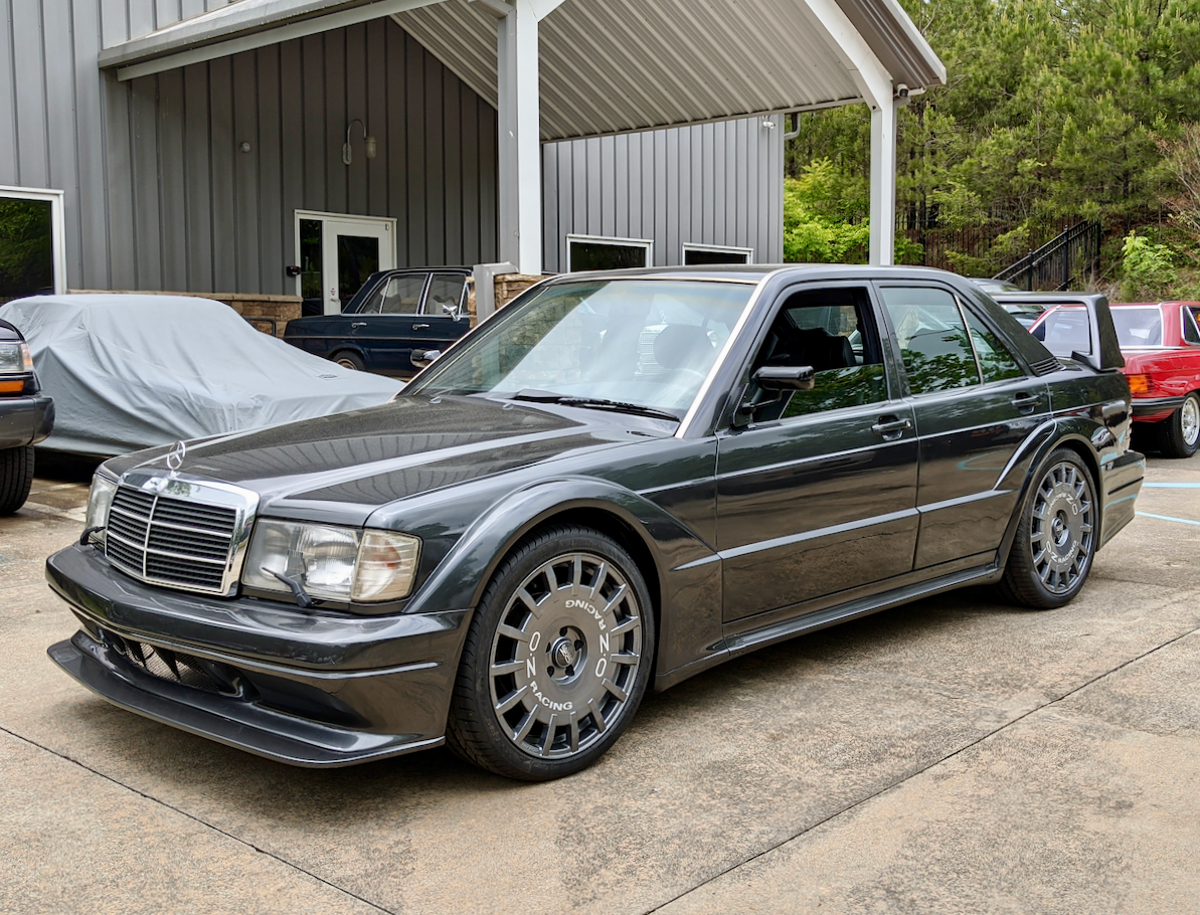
(996, 363)
(933, 340)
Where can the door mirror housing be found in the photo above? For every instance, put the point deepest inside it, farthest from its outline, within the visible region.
(785, 377)
(422, 357)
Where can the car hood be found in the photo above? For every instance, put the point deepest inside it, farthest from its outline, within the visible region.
(343, 467)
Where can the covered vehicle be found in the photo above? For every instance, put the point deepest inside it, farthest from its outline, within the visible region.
(1161, 345)
(395, 313)
(132, 371)
(618, 480)
(26, 417)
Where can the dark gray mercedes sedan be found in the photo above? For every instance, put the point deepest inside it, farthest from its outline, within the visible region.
(617, 481)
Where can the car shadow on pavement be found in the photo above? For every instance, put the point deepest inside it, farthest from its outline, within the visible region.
(166, 763)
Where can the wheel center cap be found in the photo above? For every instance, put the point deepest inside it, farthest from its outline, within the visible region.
(563, 652)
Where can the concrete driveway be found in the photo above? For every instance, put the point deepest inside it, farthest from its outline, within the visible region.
(956, 755)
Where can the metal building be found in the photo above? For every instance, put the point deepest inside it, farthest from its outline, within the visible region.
(206, 145)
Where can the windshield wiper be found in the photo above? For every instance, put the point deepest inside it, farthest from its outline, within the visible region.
(594, 403)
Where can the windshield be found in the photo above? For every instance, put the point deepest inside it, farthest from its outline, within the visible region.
(636, 341)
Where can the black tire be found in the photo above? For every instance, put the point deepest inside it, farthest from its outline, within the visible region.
(348, 360)
(592, 657)
(1179, 434)
(16, 476)
(1056, 537)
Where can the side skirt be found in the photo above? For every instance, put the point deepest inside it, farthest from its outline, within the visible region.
(743, 642)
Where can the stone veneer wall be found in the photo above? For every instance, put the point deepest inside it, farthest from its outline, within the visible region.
(259, 308)
(508, 287)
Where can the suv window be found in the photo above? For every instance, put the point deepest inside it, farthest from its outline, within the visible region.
(832, 331)
(445, 294)
(933, 340)
(401, 295)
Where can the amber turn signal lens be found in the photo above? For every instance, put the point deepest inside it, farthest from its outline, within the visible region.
(12, 387)
(1139, 384)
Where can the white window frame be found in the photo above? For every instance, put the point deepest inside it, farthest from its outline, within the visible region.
(645, 243)
(389, 222)
(58, 229)
(720, 249)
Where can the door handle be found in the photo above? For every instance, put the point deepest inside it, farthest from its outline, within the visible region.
(1026, 402)
(891, 428)
(420, 327)
(357, 324)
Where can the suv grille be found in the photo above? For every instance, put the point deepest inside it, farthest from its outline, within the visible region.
(171, 542)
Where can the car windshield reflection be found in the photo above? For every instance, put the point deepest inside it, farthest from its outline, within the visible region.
(631, 342)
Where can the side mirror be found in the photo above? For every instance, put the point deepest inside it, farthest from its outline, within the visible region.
(785, 377)
(422, 357)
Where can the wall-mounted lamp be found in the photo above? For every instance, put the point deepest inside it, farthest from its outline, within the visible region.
(368, 142)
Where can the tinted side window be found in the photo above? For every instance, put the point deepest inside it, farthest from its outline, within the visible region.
(995, 361)
(933, 342)
(832, 331)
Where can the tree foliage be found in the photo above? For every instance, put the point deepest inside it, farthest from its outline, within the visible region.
(1054, 111)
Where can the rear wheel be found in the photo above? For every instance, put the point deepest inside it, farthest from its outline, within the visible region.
(16, 476)
(1179, 434)
(348, 361)
(557, 658)
(1056, 537)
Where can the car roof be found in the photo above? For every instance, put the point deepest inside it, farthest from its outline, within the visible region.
(754, 273)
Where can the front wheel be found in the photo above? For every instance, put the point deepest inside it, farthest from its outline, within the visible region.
(1180, 432)
(16, 478)
(557, 658)
(1056, 536)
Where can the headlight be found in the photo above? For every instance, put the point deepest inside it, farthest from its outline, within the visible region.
(332, 563)
(99, 500)
(15, 358)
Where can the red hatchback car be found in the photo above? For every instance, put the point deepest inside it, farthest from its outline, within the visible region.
(1161, 345)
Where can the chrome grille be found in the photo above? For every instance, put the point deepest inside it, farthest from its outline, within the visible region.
(170, 541)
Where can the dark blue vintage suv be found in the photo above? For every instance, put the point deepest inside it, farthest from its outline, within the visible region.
(395, 312)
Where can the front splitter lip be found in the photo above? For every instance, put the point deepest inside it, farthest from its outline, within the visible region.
(233, 722)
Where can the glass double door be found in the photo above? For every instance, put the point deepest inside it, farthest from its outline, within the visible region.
(338, 253)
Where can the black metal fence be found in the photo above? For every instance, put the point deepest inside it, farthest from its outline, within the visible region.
(1059, 262)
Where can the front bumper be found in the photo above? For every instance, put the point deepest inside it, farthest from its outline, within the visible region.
(25, 420)
(302, 687)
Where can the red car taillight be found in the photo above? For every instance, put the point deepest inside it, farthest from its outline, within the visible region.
(1140, 384)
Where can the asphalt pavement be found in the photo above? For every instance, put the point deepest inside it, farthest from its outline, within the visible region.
(954, 755)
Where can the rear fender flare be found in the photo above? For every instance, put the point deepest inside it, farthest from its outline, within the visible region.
(1068, 431)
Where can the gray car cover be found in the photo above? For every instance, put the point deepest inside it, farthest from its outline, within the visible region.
(133, 371)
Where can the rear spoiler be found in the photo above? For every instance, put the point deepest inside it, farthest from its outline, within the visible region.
(1097, 347)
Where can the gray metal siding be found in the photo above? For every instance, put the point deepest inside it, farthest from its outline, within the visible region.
(157, 192)
(713, 184)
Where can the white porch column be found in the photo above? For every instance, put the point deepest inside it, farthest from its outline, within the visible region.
(883, 183)
(520, 137)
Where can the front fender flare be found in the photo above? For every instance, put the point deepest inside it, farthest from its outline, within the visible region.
(688, 570)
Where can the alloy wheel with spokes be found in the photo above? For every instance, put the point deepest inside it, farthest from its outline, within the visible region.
(1180, 433)
(557, 659)
(1056, 537)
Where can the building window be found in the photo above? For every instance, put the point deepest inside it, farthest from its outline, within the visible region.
(591, 252)
(694, 255)
(32, 243)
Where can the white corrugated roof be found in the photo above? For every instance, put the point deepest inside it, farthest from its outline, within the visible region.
(607, 65)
